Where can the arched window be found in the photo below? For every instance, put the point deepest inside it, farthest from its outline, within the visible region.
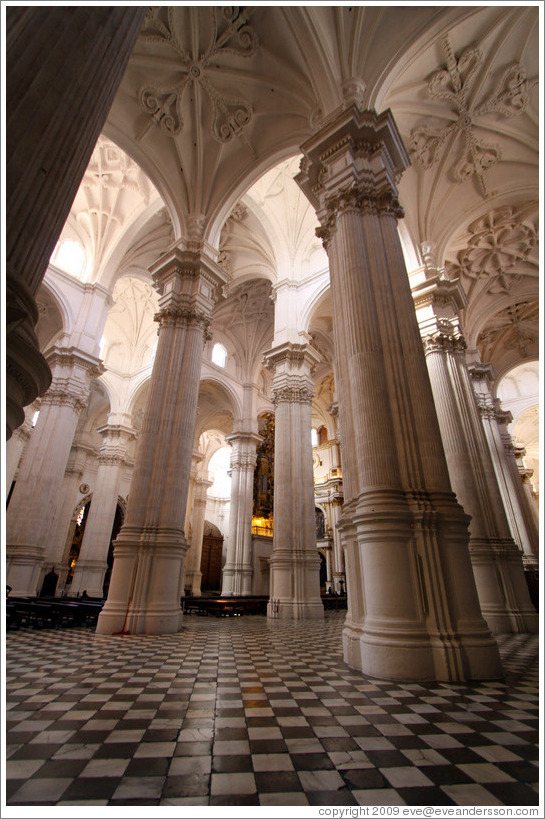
(219, 354)
(314, 436)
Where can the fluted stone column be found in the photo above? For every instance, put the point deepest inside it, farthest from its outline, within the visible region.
(63, 68)
(496, 559)
(147, 575)
(413, 607)
(42, 468)
(294, 562)
(93, 557)
(193, 574)
(237, 573)
(520, 516)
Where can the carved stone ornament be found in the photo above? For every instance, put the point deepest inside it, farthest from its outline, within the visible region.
(231, 35)
(499, 242)
(84, 488)
(182, 317)
(363, 197)
(454, 84)
(292, 394)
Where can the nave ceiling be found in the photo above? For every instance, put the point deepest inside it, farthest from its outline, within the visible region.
(214, 98)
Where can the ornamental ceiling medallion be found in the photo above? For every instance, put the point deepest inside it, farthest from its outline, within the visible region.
(230, 35)
(499, 243)
(515, 328)
(455, 85)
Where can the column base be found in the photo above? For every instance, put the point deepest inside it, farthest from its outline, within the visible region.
(145, 588)
(152, 620)
(503, 592)
(236, 582)
(23, 565)
(89, 577)
(295, 610)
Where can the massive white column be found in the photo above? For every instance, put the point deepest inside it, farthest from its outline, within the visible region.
(42, 468)
(521, 517)
(496, 559)
(93, 557)
(193, 574)
(294, 562)
(237, 573)
(63, 68)
(413, 607)
(147, 575)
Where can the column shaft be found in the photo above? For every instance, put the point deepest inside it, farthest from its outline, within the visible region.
(496, 560)
(147, 576)
(42, 468)
(193, 574)
(413, 606)
(295, 563)
(64, 66)
(237, 573)
(93, 557)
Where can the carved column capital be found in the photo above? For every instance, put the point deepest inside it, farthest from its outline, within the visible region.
(353, 162)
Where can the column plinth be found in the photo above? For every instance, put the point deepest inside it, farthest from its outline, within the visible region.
(405, 536)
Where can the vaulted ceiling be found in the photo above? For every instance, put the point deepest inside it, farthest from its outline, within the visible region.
(214, 98)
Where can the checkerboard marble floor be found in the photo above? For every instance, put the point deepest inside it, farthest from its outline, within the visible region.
(248, 711)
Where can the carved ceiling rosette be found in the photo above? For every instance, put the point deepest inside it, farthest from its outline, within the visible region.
(499, 246)
(230, 34)
(456, 85)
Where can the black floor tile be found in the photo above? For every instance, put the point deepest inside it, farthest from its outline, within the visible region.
(311, 762)
(277, 781)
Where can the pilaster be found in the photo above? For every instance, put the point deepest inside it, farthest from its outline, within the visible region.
(413, 607)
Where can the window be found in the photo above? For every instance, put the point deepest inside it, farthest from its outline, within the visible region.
(314, 436)
(219, 355)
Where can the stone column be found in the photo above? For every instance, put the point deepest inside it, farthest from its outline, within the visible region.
(413, 607)
(496, 560)
(193, 574)
(16, 445)
(294, 562)
(147, 575)
(42, 468)
(61, 531)
(93, 557)
(520, 516)
(63, 69)
(519, 451)
(237, 573)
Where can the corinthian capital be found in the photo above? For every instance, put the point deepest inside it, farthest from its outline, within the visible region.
(354, 161)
